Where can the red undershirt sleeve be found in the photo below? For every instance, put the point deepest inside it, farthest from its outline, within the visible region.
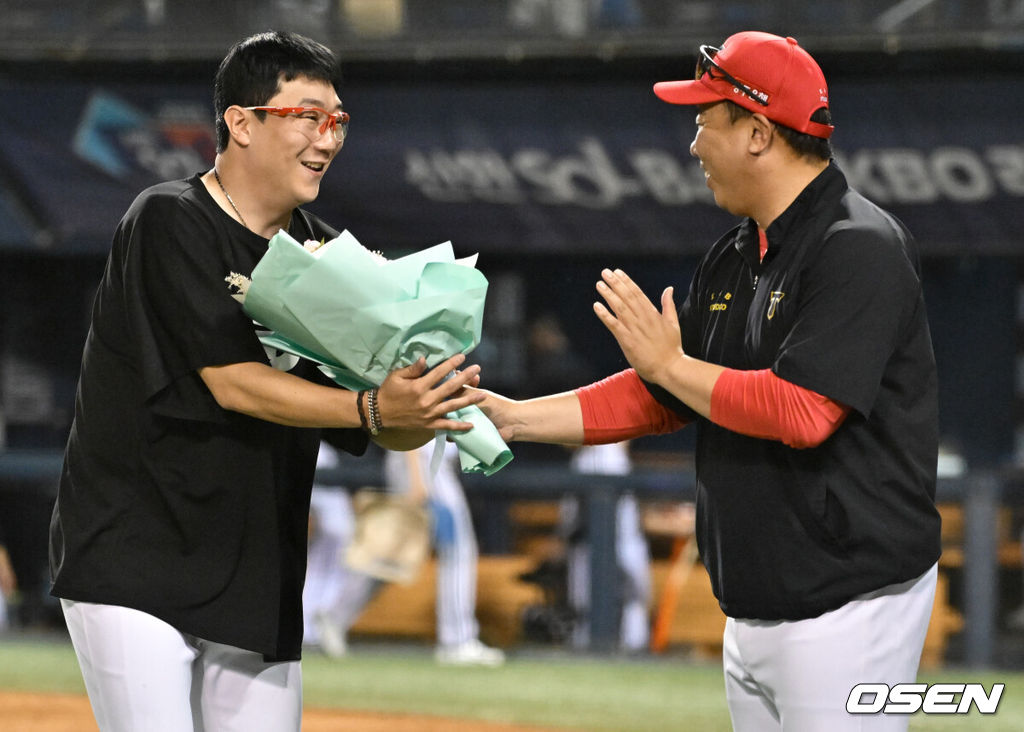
(620, 408)
(760, 404)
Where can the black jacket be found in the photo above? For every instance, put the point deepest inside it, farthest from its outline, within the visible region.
(836, 307)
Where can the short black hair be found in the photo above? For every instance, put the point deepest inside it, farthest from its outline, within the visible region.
(253, 69)
(805, 145)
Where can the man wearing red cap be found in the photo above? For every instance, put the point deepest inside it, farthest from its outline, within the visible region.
(802, 354)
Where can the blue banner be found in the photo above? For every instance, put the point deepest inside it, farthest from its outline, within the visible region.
(561, 167)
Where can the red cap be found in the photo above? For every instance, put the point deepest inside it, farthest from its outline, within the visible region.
(783, 76)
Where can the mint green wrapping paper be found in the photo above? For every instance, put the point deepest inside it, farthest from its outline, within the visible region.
(360, 317)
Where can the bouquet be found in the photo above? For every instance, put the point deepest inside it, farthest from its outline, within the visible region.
(360, 316)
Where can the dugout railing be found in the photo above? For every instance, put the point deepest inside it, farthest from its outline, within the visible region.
(979, 493)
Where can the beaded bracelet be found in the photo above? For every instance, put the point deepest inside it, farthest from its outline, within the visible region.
(359, 408)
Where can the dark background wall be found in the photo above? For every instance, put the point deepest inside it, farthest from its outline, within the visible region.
(530, 137)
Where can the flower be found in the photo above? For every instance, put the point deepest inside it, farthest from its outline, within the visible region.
(361, 316)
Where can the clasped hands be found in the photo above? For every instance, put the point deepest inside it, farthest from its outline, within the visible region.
(415, 397)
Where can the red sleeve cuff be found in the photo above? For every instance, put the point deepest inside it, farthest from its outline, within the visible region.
(760, 404)
(620, 408)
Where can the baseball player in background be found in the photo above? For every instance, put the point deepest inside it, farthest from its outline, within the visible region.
(803, 355)
(337, 600)
(178, 539)
(332, 526)
(631, 552)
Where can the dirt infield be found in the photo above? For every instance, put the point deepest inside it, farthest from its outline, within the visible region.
(32, 712)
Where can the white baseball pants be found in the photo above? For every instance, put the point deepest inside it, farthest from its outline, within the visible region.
(328, 578)
(796, 676)
(143, 674)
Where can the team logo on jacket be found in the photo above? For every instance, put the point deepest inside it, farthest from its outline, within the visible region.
(720, 301)
(773, 302)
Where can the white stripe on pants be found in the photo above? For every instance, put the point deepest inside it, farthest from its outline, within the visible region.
(143, 674)
(797, 675)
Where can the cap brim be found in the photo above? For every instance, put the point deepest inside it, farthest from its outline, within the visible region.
(686, 92)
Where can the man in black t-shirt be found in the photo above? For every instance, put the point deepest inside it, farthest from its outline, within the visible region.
(178, 540)
(803, 355)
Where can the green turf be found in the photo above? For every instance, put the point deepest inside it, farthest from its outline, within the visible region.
(556, 691)
(548, 689)
(39, 666)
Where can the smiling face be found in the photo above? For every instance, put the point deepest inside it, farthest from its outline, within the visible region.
(288, 161)
(721, 145)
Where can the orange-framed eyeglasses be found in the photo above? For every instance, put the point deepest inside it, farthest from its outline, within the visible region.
(317, 120)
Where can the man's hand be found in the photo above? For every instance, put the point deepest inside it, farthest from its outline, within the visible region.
(649, 339)
(499, 410)
(415, 398)
(554, 419)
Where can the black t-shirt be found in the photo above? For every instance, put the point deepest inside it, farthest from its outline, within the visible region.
(836, 307)
(167, 502)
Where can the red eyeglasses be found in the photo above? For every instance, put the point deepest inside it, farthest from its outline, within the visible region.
(314, 120)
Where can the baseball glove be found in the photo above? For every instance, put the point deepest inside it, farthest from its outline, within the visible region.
(392, 536)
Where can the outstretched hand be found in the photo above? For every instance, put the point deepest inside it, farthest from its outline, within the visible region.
(649, 338)
(414, 397)
(499, 410)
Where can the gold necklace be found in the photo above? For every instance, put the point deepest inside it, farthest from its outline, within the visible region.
(228, 196)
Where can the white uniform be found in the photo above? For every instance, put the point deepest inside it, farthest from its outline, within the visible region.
(771, 690)
(454, 538)
(631, 552)
(330, 510)
(333, 604)
(333, 595)
(143, 674)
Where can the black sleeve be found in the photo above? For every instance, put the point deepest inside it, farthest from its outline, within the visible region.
(178, 304)
(859, 295)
